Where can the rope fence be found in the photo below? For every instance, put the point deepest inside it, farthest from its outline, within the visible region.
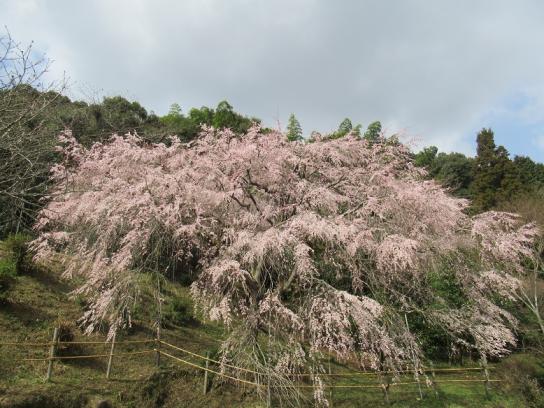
(385, 385)
(75, 342)
(210, 370)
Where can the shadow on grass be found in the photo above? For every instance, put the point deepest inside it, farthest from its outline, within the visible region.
(26, 314)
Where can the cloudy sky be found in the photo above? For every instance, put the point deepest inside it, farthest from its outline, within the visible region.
(437, 70)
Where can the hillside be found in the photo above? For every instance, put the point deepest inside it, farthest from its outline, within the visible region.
(38, 301)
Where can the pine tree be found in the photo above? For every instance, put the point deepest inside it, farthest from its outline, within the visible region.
(294, 130)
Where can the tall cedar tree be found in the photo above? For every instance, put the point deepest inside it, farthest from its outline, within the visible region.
(294, 130)
(496, 179)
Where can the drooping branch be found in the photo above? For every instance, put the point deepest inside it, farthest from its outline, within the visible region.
(326, 244)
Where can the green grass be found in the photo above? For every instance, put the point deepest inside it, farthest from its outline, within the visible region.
(38, 301)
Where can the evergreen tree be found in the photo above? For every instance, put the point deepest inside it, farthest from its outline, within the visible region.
(373, 132)
(426, 157)
(496, 179)
(454, 171)
(224, 116)
(486, 180)
(294, 130)
(175, 110)
(531, 173)
(345, 127)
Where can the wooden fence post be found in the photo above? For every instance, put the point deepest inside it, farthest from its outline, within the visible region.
(108, 371)
(433, 375)
(206, 375)
(268, 393)
(384, 382)
(52, 350)
(485, 371)
(414, 359)
(330, 380)
(158, 345)
(416, 377)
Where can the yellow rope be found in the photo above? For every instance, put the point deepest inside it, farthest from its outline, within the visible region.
(324, 374)
(357, 373)
(407, 372)
(31, 359)
(210, 359)
(104, 355)
(211, 371)
(462, 369)
(373, 386)
(451, 381)
(251, 382)
(25, 344)
(104, 342)
(75, 342)
(85, 356)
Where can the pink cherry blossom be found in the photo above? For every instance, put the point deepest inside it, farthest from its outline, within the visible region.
(327, 244)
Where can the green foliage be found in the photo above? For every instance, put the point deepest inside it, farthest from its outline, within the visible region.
(89, 123)
(530, 205)
(346, 127)
(356, 131)
(14, 261)
(496, 179)
(202, 116)
(174, 118)
(442, 279)
(435, 340)
(17, 247)
(119, 113)
(447, 292)
(454, 171)
(524, 374)
(373, 132)
(175, 110)
(531, 174)
(7, 277)
(426, 157)
(294, 130)
(491, 180)
(188, 127)
(178, 311)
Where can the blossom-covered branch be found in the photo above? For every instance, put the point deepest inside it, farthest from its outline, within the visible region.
(329, 244)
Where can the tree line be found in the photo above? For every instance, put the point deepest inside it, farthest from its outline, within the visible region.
(33, 113)
(491, 179)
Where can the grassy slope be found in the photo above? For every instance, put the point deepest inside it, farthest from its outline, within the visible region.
(37, 302)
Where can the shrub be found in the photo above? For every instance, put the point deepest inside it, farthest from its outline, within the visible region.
(7, 277)
(178, 311)
(524, 374)
(17, 247)
(66, 334)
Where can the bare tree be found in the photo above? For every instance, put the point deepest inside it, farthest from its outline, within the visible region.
(26, 145)
(531, 289)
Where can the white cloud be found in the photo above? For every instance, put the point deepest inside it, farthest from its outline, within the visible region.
(432, 68)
